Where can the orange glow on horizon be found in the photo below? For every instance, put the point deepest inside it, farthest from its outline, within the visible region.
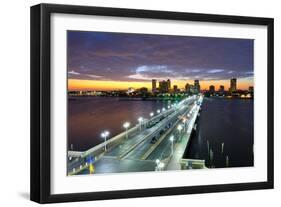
(77, 84)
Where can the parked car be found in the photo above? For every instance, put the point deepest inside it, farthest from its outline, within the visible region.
(153, 140)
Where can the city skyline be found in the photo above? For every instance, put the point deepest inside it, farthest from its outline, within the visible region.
(116, 61)
(148, 85)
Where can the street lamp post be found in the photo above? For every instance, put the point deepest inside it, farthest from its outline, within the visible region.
(184, 123)
(172, 146)
(126, 125)
(151, 115)
(140, 119)
(157, 164)
(104, 135)
(161, 166)
(179, 129)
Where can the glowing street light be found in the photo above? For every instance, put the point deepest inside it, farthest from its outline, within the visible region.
(161, 166)
(105, 135)
(169, 107)
(163, 109)
(126, 125)
(172, 141)
(151, 114)
(179, 127)
(157, 161)
(140, 119)
(184, 123)
(158, 111)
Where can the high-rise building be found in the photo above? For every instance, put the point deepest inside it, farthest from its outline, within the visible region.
(163, 86)
(187, 88)
(154, 83)
(251, 89)
(212, 89)
(169, 84)
(221, 90)
(233, 85)
(192, 89)
(197, 86)
(175, 88)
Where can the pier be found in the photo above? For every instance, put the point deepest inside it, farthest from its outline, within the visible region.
(157, 144)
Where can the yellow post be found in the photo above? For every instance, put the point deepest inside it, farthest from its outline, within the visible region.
(91, 168)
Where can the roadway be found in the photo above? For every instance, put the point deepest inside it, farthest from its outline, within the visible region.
(163, 140)
(164, 150)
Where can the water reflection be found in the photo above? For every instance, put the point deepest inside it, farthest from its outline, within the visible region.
(89, 116)
(227, 123)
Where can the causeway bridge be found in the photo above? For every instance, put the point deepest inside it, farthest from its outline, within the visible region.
(157, 143)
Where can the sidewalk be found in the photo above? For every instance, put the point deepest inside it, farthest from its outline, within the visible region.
(174, 163)
(179, 148)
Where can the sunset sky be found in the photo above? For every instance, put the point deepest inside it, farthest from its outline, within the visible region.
(111, 61)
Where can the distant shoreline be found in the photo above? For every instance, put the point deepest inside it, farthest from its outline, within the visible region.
(154, 98)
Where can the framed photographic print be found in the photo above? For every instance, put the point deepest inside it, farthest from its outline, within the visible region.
(132, 103)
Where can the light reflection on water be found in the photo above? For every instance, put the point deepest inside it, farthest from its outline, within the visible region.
(89, 116)
(221, 121)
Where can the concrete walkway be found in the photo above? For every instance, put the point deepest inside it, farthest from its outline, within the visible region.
(179, 148)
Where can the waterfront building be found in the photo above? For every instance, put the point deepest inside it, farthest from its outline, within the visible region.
(175, 88)
(143, 91)
(169, 84)
(197, 86)
(154, 83)
(212, 89)
(187, 88)
(130, 90)
(221, 90)
(163, 86)
(233, 85)
(192, 89)
(251, 89)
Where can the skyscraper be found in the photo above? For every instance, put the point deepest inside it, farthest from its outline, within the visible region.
(192, 89)
(221, 90)
(233, 85)
(187, 88)
(169, 84)
(163, 86)
(175, 88)
(212, 89)
(154, 82)
(197, 86)
(251, 89)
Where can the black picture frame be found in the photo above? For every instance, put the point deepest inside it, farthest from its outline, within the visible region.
(41, 98)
